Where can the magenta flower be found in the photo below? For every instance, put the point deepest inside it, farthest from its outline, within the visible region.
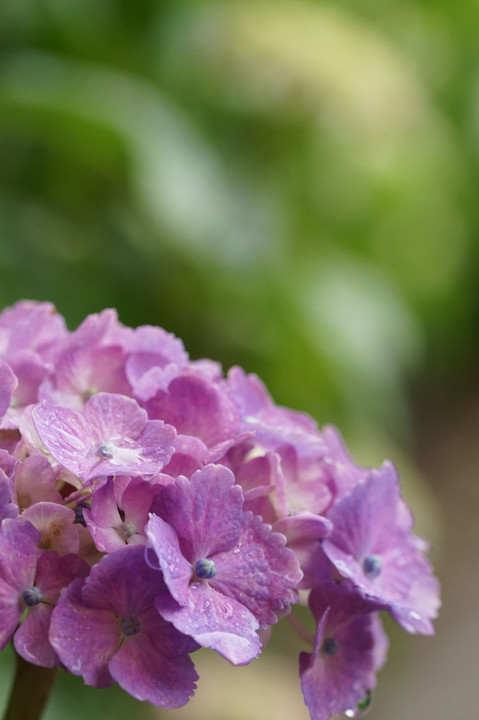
(31, 580)
(119, 514)
(155, 358)
(227, 573)
(198, 407)
(100, 330)
(371, 544)
(8, 509)
(30, 334)
(349, 648)
(112, 436)
(31, 326)
(84, 371)
(55, 523)
(304, 534)
(294, 436)
(107, 629)
(33, 481)
(262, 482)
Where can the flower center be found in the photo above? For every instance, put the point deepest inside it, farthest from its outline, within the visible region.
(32, 596)
(105, 451)
(372, 566)
(128, 529)
(205, 569)
(130, 625)
(330, 646)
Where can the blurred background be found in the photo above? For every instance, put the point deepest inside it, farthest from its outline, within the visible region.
(290, 186)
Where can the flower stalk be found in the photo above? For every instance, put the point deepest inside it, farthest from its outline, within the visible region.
(30, 691)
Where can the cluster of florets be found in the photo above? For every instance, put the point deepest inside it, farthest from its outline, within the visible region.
(149, 505)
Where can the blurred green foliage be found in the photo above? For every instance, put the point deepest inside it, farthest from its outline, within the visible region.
(286, 185)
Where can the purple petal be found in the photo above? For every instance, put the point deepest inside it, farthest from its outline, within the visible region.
(146, 674)
(8, 383)
(55, 523)
(364, 518)
(164, 637)
(83, 371)
(303, 533)
(177, 571)
(31, 639)
(341, 669)
(153, 347)
(198, 407)
(112, 437)
(205, 512)
(55, 572)
(7, 509)
(114, 417)
(85, 638)
(214, 621)
(34, 480)
(65, 434)
(262, 481)
(190, 454)
(261, 573)
(18, 553)
(100, 329)
(304, 526)
(344, 472)
(122, 582)
(33, 325)
(369, 526)
(10, 612)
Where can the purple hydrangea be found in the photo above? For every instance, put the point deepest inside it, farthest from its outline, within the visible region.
(371, 544)
(226, 572)
(349, 648)
(112, 436)
(107, 629)
(150, 505)
(30, 582)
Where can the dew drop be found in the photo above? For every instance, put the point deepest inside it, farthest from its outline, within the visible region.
(227, 611)
(363, 705)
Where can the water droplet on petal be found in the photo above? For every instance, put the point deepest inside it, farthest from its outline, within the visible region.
(362, 706)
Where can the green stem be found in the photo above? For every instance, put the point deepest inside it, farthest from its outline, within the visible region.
(30, 691)
(300, 629)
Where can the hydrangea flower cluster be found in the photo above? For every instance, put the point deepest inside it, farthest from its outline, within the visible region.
(150, 505)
